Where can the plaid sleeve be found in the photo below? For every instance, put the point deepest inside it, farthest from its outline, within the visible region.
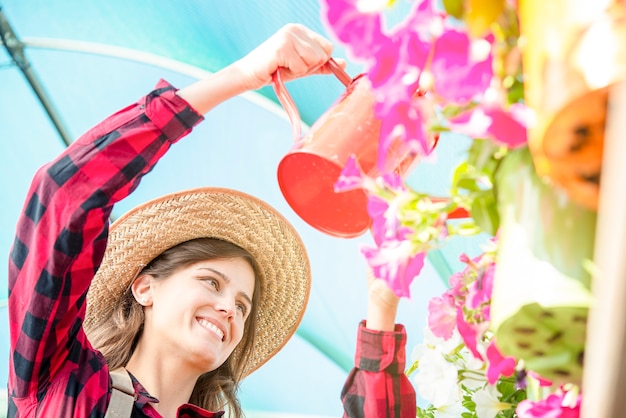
(62, 231)
(377, 386)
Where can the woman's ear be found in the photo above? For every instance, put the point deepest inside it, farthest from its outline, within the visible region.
(142, 289)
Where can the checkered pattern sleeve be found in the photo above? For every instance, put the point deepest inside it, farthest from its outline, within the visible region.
(377, 386)
(60, 240)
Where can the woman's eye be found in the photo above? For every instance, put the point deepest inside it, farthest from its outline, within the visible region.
(242, 308)
(213, 283)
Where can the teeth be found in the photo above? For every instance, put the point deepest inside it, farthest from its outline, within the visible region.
(208, 325)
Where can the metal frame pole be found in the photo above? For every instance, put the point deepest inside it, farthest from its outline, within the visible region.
(15, 48)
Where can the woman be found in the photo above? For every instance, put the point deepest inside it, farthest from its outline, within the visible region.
(187, 294)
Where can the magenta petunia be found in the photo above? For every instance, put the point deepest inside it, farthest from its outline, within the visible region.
(401, 60)
(361, 31)
(394, 182)
(383, 70)
(421, 20)
(550, 407)
(470, 333)
(480, 290)
(498, 364)
(458, 76)
(351, 176)
(442, 315)
(397, 66)
(504, 127)
(385, 222)
(395, 262)
(508, 128)
(457, 284)
(542, 381)
(377, 209)
(402, 127)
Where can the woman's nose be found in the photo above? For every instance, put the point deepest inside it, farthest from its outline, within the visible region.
(226, 307)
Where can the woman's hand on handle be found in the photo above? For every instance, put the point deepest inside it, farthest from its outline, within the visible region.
(295, 49)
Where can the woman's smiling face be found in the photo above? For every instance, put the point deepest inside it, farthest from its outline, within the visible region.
(198, 313)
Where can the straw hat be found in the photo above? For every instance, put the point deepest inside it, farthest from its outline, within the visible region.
(149, 229)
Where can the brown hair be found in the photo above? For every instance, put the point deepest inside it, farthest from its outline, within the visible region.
(117, 337)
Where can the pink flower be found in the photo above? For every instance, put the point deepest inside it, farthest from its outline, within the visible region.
(395, 71)
(479, 291)
(505, 127)
(402, 127)
(398, 64)
(498, 364)
(543, 382)
(442, 315)
(395, 262)
(377, 208)
(457, 284)
(470, 333)
(394, 182)
(403, 56)
(360, 31)
(551, 407)
(458, 77)
(508, 128)
(421, 19)
(351, 176)
(385, 224)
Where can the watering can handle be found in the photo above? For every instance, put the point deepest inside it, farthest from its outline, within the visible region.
(339, 72)
(287, 102)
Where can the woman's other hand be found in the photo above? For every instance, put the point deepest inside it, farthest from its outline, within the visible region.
(382, 305)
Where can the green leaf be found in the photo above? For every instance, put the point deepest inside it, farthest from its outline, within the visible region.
(483, 154)
(506, 388)
(454, 8)
(467, 229)
(469, 184)
(485, 213)
(469, 404)
(425, 413)
(412, 369)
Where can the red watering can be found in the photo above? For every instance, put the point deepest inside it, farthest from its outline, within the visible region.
(308, 172)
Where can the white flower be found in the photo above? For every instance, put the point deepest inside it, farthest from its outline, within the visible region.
(450, 411)
(471, 362)
(488, 403)
(441, 345)
(436, 379)
(472, 381)
(473, 376)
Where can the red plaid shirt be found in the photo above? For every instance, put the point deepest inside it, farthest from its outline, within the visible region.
(377, 386)
(60, 240)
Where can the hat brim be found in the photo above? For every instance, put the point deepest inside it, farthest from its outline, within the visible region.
(155, 226)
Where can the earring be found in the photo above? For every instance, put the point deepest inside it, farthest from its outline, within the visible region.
(144, 301)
